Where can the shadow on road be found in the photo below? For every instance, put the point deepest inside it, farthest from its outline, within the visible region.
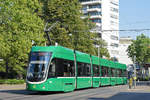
(143, 83)
(126, 96)
(25, 92)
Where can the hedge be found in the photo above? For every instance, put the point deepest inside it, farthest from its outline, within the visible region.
(11, 81)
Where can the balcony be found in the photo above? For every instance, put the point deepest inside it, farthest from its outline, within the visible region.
(99, 24)
(94, 9)
(88, 2)
(98, 28)
(95, 17)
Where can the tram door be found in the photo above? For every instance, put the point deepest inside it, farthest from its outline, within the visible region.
(66, 71)
(84, 78)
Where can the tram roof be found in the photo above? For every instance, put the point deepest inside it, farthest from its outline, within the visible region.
(66, 53)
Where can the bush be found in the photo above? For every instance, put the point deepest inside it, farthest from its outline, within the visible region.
(11, 81)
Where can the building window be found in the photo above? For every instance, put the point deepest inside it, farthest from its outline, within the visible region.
(99, 35)
(115, 52)
(95, 6)
(114, 45)
(96, 20)
(114, 16)
(114, 37)
(87, 0)
(94, 13)
(114, 3)
(113, 23)
(114, 9)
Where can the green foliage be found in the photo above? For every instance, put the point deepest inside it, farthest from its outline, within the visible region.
(2, 69)
(22, 21)
(72, 31)
(140, 48)
(11, 81)
(102, 48)
(19, 25)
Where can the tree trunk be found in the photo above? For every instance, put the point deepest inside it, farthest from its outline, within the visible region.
(7, 68)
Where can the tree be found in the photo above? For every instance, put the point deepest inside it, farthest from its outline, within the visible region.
(102, 48)
(19, 25)
(140, 49)
(71, 31)
(22, 21)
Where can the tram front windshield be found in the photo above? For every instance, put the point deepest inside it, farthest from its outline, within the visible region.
(38, 66)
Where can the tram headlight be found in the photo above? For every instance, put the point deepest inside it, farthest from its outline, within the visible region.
(34, 86)
(50, 81)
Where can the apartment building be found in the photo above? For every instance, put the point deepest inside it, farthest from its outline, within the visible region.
(124, 44)
(105, 13)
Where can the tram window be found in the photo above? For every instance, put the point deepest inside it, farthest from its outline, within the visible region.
(88, 69)
(51, 72)
(125, 73)
(113, 72)
(59, 67)
(95, 70)
(69, 69)
(80, 69)
(106, 68)
(118, 73)
(122, 74)
(104, 71)
(62, 68)
(84, 69)
(109, 72)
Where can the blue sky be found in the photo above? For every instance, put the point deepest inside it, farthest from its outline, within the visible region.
(134, 14)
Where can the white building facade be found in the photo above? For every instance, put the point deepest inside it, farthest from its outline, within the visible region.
(124, 44)
(105, 13)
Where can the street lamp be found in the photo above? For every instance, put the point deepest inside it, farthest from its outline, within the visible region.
(70, 35)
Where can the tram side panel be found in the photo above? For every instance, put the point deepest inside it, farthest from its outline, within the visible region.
(84, 78)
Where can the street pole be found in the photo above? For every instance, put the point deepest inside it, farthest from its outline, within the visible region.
(99, 61)
(98, 52)
(134, 71)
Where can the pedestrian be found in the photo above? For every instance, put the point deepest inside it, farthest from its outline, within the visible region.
(130, 82)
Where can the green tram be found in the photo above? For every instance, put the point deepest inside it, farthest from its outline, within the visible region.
(56, 68)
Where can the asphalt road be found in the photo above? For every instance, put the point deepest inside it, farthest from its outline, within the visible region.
(102, 93)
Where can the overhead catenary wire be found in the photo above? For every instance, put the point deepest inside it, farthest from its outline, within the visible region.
(109, 30)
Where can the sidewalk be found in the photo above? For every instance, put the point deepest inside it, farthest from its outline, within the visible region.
(12, 87)
(139, 89)
(23, 87)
